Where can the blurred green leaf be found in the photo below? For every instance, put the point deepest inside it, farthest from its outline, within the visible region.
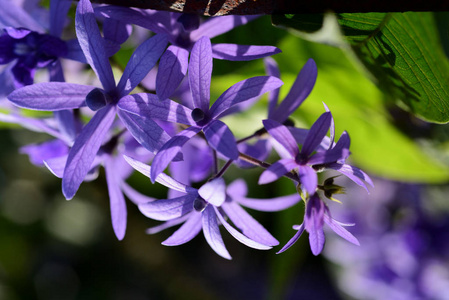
(403, 53)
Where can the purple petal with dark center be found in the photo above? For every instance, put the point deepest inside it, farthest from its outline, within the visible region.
(85, 149)
(92, 43)
(187, 231)
(271, 68)
(170, 223)
(133, 195)
(281, 134)
(168, 209)
(51, 96)
(293, 239)
(316, 134)
(58, 16)
(214, 191)
(277, 170)
(273, 204)
(172, 70)
(353, 173)
(117, 200)
(340, 230)
(116, 31)
(162, 178)
(150, 106)
(220, 138)
(212, 232)
(234, 52)
(170, 149)
(248, 225)
(147, 132)
(219, 25)
(200, 73)
(141, 62)
(301, 88)
(242, 91)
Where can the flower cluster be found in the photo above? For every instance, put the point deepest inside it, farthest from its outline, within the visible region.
(114, 127)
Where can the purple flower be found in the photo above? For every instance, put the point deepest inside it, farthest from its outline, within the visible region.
(316, 214)
(311, 159)
(201, 118)
(280, 112)
(56, 96)
(204, 209)
(184, 31)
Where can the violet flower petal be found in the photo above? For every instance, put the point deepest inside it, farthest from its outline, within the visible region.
(166, 154)
(50, 96)
(147, 132)
(237, 188)
(85, 149)
(281, 134)
(273, 204)
(117, 200)
(293, 239)
(200, 73)
(316, 134)
(242, 91)
(168, 209)
(172, 70)
(219, 25)
(332, 128)
(92, 43)
(15, 16)
(187, 231)
(150, 106)
(74, 51)
(38, 153)
(214, 191)
(141, 62)
(301, 88)
(220, 138)
(309, 178)
(133, 195)
(338, 229)
(170, 223)
(271, 68)
(162, 178)
(56, 165)
(144, 18)
(58, 16)
(277, 170)
(235, 52)
(353, 173)
(316, 240)
(212, 232)
(248, 225)
(116, 31)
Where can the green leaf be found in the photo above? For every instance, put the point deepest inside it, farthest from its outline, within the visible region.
(403, 54)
